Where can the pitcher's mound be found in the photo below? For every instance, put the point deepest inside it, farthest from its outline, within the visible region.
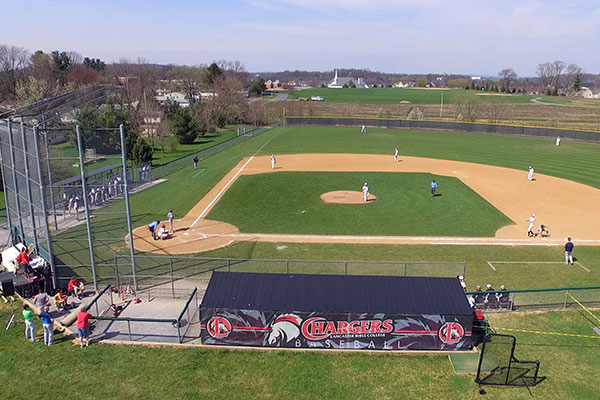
(345, 197)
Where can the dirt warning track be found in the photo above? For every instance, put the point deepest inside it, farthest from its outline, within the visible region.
(567, 207)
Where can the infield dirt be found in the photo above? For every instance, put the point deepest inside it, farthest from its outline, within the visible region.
(566, 207)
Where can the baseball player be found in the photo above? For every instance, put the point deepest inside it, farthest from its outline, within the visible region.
(363, 129)
(558, 140)
(569, 251)
(170, 218)
(434, 186)
(530, 174)
(365, 190)
(395, 155)
(273, 161)
(531, 221)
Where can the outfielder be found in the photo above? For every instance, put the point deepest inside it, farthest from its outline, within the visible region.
(531, 221)
(395, 155)
(558, 140)
(365, 190)
(363, 129)
(530, 174)
(273, 161)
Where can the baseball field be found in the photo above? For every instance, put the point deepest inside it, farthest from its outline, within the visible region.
(235, 205)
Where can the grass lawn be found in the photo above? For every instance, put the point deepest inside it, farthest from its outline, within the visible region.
(572, 367)
(289, 202)
(413, 95)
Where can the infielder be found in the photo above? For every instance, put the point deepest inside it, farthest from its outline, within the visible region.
(434, 186)
(531, 221)
(273, 161)
(569, 251)
(365, 190)
(558, 140)
(530, 174)
(395, 155)
(363, 129)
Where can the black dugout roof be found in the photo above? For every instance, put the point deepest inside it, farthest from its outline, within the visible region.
(336, 293)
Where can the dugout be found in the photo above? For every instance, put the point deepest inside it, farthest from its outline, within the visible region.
(336, 312)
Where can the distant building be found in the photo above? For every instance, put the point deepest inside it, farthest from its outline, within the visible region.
(339, 82)
(587, 93)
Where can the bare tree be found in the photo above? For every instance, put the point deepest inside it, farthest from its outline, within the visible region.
(188, 80)
(467, 105)
(508, 75)
(13, 62)
(550, 74)
(573, 70)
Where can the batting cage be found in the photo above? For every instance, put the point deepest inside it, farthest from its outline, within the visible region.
(499, 366)
(336, 312)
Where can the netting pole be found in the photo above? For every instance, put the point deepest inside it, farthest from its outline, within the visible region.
(566, 297)
(2, 162)
(117, 270)
(172, 278)
(49, 172)
(405, 268)
(29, 195)
(464, 269)
(85, 205)
(44, 209)
(131, 248)
(15, 182)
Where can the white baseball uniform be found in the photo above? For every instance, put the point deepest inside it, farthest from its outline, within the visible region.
(558, 140)
(395, 155)
(530, 174)
(531, 224)
(365, 190)
(272, 161)
(363, 129)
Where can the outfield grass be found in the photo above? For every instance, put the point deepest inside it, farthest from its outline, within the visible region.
(289, 202)
(572, 367)
(412, 95)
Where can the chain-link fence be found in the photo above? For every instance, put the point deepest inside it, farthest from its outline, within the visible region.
(473, 127)
(244, 134)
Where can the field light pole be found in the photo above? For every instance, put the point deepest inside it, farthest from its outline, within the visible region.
(85, 204)
(131, 249)
(442, 105)
(29, 195)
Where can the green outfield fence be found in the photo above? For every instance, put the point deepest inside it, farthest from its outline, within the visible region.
(547, 298)
(472, 127)
(166, 169)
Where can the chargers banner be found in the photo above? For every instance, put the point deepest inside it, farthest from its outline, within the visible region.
(335, 331)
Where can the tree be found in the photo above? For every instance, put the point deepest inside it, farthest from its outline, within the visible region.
(458, 83)
(212, 72)
(467, 105)
(508, 75)
(184, 126)
(82, 76)
(13, 62)
(422, 81)
(550, 73)
(257, 87)
(94, 63)
(188, 80)
(577, 83)
(573, 72)
(32, 90)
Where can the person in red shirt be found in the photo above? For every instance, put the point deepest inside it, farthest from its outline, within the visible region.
(22, 262)
(76, 287)
(83, 326)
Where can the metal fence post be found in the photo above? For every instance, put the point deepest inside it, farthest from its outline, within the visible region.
(228, 265)
(566, 297)
(179, 331)
(127, 208)
(117, 270)
(405, 268)
(287, 266)
(172, 279)
(129, 329)
(464, 269)
(345, 267)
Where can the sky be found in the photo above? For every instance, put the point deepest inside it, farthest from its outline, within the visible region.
(475, 37)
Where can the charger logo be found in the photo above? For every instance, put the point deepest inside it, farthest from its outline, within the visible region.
(451, 332)
(219, 327)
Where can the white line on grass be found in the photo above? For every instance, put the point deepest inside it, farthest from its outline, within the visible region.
(229, 183)
(491, 266)
(581, 265)
(199, 172)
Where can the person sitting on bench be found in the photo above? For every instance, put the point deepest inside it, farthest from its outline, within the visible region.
(504, 298)
(76, 288)
(491, 300)
(479, 297)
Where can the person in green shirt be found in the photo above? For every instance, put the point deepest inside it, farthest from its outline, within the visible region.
(28, 316)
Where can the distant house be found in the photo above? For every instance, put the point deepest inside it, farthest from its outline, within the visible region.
(269, 84)
(339, 82)
(587, 93)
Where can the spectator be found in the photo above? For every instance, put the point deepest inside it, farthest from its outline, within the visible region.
(83, 326)
(504, 298)
(41, 300)
(47, 274)
(462, 282)
(22, 263)
(479, 297)
(29, 323)
(76, 288)
(48, 324)
(60, 300)
(490, 299)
